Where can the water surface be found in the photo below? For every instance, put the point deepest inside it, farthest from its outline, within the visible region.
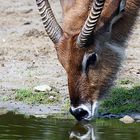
(18, 127)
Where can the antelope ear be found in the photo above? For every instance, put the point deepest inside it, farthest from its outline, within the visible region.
(117, 15)
(111, 14)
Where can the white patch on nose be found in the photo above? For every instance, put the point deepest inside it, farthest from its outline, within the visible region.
(91, 109)
(94, 108)
(84, 107)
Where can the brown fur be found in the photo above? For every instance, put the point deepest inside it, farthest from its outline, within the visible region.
(89, 87)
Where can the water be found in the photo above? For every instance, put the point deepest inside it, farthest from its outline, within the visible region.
(17, 127)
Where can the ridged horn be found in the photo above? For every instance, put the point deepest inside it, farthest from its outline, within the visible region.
(52, 28)
(90, 23)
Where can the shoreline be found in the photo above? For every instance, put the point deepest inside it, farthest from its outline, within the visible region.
(44, 111)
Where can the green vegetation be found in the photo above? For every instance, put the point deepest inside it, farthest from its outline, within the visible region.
(66, 105)
(31, 97)
(122, 100)
(125, 82)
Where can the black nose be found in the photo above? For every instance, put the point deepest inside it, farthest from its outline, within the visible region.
(79, 113)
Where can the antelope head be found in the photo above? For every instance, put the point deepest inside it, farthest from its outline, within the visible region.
(84, 52)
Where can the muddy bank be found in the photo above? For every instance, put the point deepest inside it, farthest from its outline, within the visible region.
(41, 111)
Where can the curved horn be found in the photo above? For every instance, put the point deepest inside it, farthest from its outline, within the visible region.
(90, 23)
(52, 28)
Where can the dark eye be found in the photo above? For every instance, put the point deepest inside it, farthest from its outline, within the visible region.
(91, 61)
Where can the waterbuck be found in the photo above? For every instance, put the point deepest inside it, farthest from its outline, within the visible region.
(90, 46)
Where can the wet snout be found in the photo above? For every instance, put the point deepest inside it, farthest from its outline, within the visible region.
(84, 112)
(79, 113)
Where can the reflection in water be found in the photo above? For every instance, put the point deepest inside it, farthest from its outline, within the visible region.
(18, 127)
(82, 132)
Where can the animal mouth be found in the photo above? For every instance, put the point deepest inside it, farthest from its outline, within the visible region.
(84, 111)
(79, 113)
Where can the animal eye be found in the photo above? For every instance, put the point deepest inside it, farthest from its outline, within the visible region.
(91, 60)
